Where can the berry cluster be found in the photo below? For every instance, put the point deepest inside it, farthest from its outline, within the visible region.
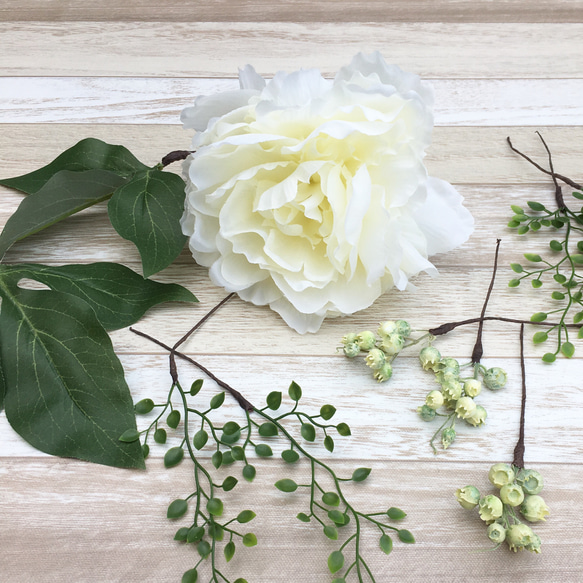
(519, 489)
(456, 394)
(382, 348)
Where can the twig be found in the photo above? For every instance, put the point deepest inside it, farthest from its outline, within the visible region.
(519, 449)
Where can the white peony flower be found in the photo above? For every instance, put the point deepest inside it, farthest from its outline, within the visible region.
(311, 195)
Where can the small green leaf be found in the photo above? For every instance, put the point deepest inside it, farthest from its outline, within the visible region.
(514, 283)
(245, 516)
(577, 317)
(556, 245)
(215, 507)
(549, 357)
(263, 450)
(536, 283)
(536, 206)
(190, 576)
(173, 419)
(145, 450)
(395, 513)
(571, 284)
(181, 534)
(274, 400)
(203, 548)
(336, 516)
(577, 258)
(231, 438)
(331, 532)
(523, 229)
(517, 210)
(231, 427)
(405, 536)
(216, 531)
(360, 474)
(557, 223)
(335, 561)
(240, 580)
(173, 457)
(267, 429)
(129, 435)
(195, 533)
(516, 267)
(249, 540)
(227, 458)
(578, 195)
(339, 580)
(144, 406)
(217, 400)
(229, 483)
(303, 517)
(534, 257)
(535, 225)
(568, 349)
(177, 508)
(238, 453)
(539, 317)
(160, 435)
(229, 550)
(386, 544)
(331, 499)
(286, 485)
(343, 429)
(294, 391)
(545, 223)
(329, 443)
(327, 412)
(200, 438)
(308, 431)
(249, 472)
(217, 459)
(580, 246)
(557, 295)
(559, 278)
(540, 337)
(580, 333)
(513, 224)
(290, 456)
(196, 387)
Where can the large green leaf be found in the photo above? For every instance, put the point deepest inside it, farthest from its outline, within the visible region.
(66, 395)
(147, 210)
(118, 295)
(88, 154)
(2, 387)
(65, 193)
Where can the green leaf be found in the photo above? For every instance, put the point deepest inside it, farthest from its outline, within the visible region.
(517, 210)
(245, 516)
(144, 406)
(556, 245)
(249, 472)
(535, 225)
(68, 396)
(308, 431)
(329, 443)
(274, 400)
(327, 412)
(545, 223)
(238, 453)
(229, 550)
(147, 211)
(335, 561)
(303, 517)
(580, 246)
(181, 534)
(200, 438)
(577, 317)
(63, 195)
(549, 357)
(513, 224)
(160, 435)
(231, 437)
(331, 499)
(177, 508)
(290, 456)
(360, 474)
(118, 295)
(405, 536)
(578, 195)
(249, 540)
(539, 317)
(217, 400)
(395, 513)
(2, 387)
(217, 459)
(386, 544)
(536, 283)
(229, 483)
(227, 458)
(580, 333)
(557, 295)
(216, 531)
(568, 349)
(267, 429)
(215, 507)
(263, 450)
(577, 258)
(522, 230)
(203, 548)
(557, 223)
(196, 387)
(240, 580)
(514, 283)
(536, 206)
(130, 435)
(559, 278)
(336, 516)
(295, 391)
(516, 267)
(195, 533)
(173, 419)
(190, 576)
(286, 485)
(343, 429)
(145, 450)
(534, 257)
(173, 457)
(331, 532)
(88, 154)
(540, 337)
(231, 427)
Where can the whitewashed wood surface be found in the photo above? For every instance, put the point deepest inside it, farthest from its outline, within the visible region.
(122, 72)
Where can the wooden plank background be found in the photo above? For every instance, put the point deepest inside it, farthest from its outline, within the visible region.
(122, 72)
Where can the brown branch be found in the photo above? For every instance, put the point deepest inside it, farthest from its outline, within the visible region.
(558, 191)
(519, 449)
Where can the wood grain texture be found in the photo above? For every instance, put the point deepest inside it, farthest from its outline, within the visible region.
(144, 101)
(449, 50)
(335, 11)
